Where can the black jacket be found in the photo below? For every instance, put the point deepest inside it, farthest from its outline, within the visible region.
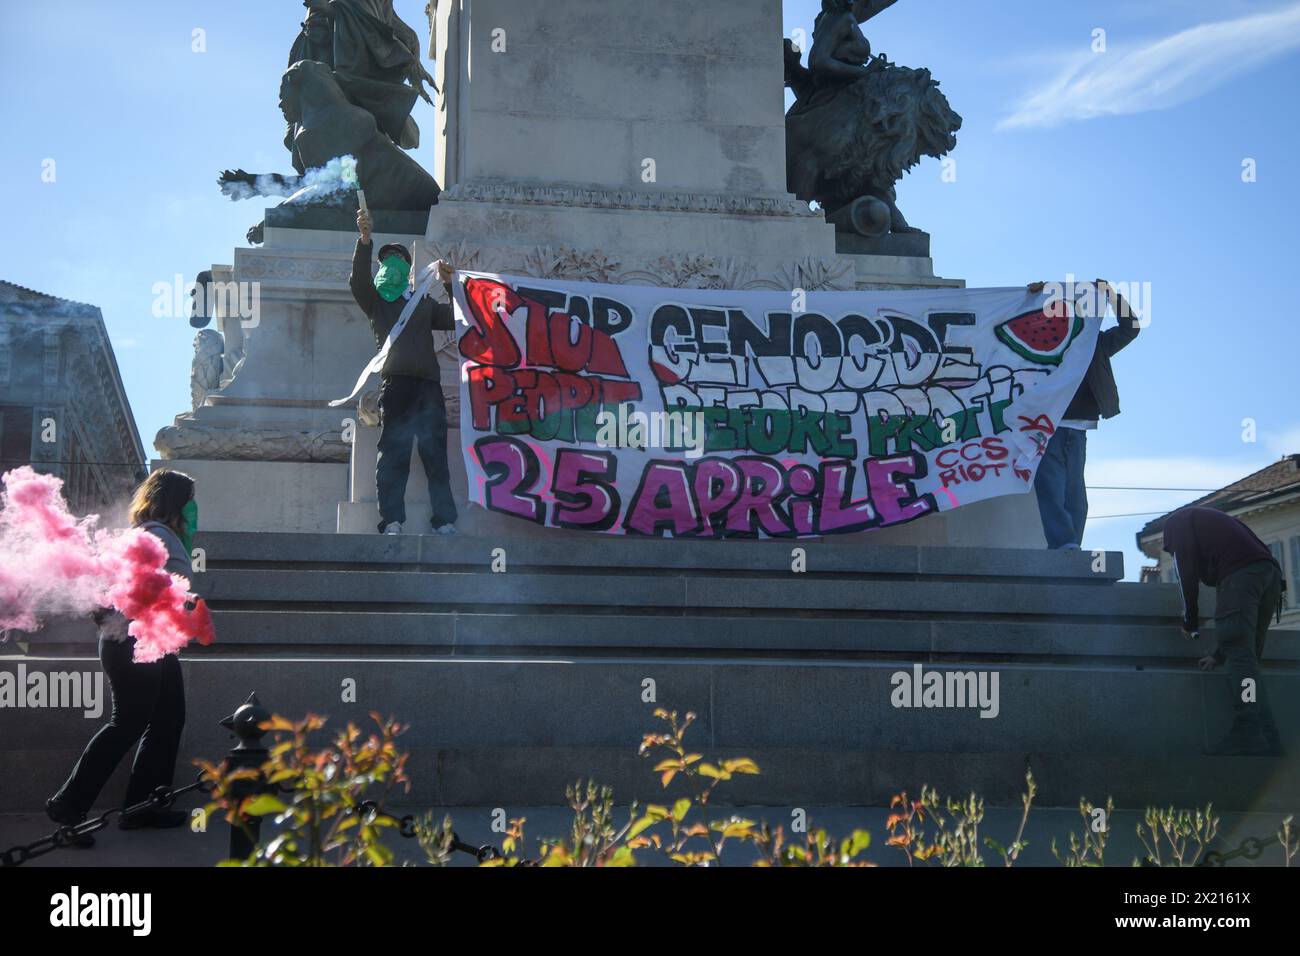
(413, 353)
(1098, 395)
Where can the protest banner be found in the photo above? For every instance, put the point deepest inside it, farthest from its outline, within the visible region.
(705, 413)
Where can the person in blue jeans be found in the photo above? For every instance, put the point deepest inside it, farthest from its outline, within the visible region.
(1059, 484)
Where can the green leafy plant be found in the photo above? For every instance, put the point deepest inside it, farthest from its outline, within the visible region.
(1012, 853)
(817, 849)
(947, 832)
(1290, 844)
(906, 825)
(678, 832)
(683, 837)
(1089, 847)
(326, 805)
(594, 839)
(1181, 834)
(324, 802)
(434, 838)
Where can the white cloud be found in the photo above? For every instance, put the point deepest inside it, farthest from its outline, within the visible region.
(1161, 74)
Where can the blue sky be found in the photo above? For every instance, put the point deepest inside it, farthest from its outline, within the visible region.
(1125, 164)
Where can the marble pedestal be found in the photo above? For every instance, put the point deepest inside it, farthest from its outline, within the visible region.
(653, 152)
(267, 451)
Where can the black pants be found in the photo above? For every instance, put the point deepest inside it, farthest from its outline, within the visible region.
(148, 706)
(412, 409)
(1245, 604)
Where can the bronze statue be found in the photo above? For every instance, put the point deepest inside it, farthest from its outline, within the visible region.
(354, 76)
(859, 122)
(375, 57)
(327, 126)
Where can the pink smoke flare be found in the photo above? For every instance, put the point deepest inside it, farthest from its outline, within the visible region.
(52, 562)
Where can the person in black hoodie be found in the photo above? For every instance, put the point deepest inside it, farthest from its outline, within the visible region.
(411, 405)
(1215, 549)
(1059, 484)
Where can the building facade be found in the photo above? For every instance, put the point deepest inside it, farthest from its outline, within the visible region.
(63, 409)
(1268, 502)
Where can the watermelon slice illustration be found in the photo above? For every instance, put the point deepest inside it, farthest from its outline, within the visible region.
(1041, 337)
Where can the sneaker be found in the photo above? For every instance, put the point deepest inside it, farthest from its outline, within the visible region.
(445, 530)
(155, 820)
(394, 527)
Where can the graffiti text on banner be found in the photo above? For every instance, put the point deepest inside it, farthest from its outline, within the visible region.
(582, 403)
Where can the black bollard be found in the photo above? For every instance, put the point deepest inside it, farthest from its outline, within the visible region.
(249, 754)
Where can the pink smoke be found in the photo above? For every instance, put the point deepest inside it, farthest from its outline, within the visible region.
(54, 563)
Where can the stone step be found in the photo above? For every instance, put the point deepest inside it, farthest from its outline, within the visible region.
(616, 555)
(494, 633)
(502, 732)
(663, 594)
(308, 630)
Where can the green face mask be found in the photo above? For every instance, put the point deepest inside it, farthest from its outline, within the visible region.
(189, 523)
(393, 275)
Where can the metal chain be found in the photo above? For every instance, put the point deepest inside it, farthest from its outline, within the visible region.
(406, 828)
(160, 799)
(163, 797)
(1250, 849)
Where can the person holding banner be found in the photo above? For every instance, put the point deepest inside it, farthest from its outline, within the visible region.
(1059, 484)
(410, 400)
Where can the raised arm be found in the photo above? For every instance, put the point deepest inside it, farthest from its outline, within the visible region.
(444, 313)
(1127, 324)
(361, 282)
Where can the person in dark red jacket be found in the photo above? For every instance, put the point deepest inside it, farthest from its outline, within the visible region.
(1213, 548)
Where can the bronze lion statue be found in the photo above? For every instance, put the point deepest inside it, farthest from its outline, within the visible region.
(859, 122)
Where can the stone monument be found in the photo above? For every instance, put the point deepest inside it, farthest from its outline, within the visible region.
(654, 153)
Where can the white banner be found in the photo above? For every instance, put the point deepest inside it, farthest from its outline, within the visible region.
(701, 413)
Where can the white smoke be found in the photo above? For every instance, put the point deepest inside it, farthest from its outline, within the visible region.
(335, 178)
(264, 185)
(324, 182)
